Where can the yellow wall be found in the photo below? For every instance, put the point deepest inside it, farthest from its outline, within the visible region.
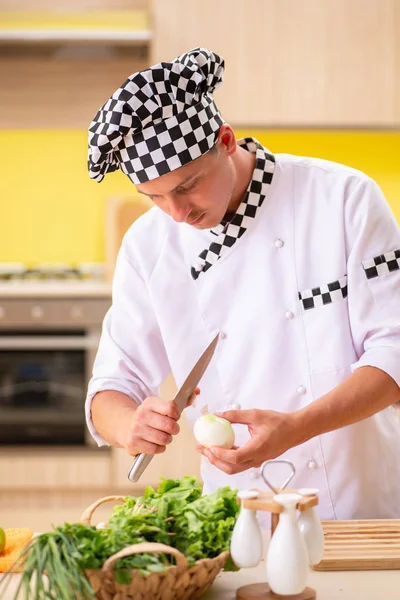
(52, 212)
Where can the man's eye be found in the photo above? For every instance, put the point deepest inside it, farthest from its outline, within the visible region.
(186, 189)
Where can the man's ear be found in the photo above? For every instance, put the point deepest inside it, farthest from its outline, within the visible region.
(227, 139)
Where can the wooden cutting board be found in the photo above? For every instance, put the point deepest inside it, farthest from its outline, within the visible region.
(361, 545)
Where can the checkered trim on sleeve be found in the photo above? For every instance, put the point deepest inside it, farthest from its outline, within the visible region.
(227, 233)
(159, 120)
(324, 294)
(382, 264)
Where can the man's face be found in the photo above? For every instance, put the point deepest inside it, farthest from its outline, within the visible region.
(198, 193)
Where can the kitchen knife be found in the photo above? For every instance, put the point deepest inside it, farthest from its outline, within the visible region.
(181, 399)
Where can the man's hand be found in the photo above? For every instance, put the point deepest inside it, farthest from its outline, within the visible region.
(152, 426)
(365, 392)
(272, 433)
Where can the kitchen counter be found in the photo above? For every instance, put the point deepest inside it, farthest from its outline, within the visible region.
(55, 289)
(341, 585)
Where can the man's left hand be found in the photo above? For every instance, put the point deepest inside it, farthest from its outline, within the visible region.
(272, 433)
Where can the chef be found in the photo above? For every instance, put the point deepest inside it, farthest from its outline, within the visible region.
(294, 261)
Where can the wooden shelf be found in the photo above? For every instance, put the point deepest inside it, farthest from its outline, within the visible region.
(265, 501)
(116, 27)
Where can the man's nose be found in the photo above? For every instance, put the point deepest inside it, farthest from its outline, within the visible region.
(179, 210)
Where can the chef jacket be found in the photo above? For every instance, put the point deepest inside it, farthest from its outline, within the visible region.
(308, 294)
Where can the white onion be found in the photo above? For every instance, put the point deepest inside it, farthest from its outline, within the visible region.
(210, 430)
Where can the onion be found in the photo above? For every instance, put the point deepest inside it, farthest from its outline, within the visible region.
(210, 430)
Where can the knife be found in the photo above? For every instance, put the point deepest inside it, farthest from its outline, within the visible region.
(181, 399)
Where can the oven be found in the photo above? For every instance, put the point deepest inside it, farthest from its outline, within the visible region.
(47, 349)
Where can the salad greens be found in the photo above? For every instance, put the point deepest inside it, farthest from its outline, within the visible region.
(175, 514)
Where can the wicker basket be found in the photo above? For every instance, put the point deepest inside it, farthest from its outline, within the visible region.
(178, 582)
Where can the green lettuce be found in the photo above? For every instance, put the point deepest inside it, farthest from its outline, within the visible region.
(175, 514)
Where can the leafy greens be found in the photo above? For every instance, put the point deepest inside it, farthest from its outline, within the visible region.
(175, 514)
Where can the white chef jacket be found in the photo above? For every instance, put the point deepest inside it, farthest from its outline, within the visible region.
(321, 222)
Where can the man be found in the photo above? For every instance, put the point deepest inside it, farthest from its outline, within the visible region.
(294, 261)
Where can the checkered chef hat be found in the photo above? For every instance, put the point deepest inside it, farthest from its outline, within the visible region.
(159, 120)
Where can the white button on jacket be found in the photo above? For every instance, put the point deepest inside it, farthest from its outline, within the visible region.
(334, 221)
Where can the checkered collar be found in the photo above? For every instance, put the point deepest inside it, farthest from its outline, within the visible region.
(228, 232)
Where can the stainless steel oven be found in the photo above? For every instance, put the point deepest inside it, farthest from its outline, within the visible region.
(47, 349)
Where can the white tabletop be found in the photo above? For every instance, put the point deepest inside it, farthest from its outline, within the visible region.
(333, 585)
(341, 585)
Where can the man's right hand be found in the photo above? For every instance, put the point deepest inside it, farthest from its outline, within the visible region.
(151, 427)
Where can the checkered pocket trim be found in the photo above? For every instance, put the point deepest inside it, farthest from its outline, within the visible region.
(382, 264)
(324, 294)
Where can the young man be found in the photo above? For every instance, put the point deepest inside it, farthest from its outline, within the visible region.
(294, 261)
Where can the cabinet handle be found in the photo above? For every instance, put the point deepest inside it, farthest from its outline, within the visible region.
(37, 312)
(76, 312)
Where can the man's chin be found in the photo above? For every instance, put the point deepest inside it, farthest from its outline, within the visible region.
(205, 221)
(209, 223)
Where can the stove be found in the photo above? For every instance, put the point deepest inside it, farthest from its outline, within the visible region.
(52, 272)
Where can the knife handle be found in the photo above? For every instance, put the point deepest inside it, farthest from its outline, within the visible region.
(139, 464)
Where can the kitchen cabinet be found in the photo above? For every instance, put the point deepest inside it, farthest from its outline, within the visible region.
(41, 509)
(51, 469)
(293, 64)
(315, 63)
(40, 87)
(59, 66)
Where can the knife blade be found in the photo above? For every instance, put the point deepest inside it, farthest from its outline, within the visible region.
(181, 399)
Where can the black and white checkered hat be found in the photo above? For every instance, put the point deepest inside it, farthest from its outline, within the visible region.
(159, 120)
